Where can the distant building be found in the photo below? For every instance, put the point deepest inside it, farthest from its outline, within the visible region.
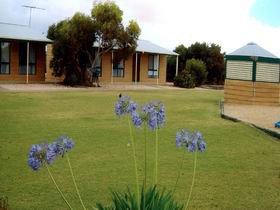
(16, 42)
(147, 65)
(252, 76)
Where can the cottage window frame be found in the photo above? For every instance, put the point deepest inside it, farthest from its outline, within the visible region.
(5, 62)
(22, 61)
(118, 69)
(153, 69)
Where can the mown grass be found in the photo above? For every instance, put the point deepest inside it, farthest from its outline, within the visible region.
(240, 170)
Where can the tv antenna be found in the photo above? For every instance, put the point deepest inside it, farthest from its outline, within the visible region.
(13, 24)
(30, 11)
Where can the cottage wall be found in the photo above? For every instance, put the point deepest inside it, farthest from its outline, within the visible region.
(106, 64)
(49, 77)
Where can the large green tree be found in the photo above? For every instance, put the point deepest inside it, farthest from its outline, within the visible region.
(80, 40)
(210, 54)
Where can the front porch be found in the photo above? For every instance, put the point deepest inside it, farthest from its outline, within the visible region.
(22, 61)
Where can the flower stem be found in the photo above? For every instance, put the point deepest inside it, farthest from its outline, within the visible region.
(135, 161)
(179, 173)
(145, 168)
(193, 179)
(74, 181)
(58, 188)
(156, 158)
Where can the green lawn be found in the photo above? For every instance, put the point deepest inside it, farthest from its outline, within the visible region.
(240, 170)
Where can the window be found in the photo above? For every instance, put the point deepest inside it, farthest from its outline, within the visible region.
(23, 59)
(118, 69)
(153, 66)
(5, 58)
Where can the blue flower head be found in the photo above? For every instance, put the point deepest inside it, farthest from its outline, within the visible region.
(190, 141)
(202, 146)
(40, 154)
(51, 153)
(154, 114)
(63, 144)
(125, 106)
(136, 119)
(36, 156)
(192, 146)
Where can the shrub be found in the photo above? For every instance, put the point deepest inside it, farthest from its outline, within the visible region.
(151, 199)
(4, 203)
(71, 79)
(210, 54)
(184, 79)
(197, 70)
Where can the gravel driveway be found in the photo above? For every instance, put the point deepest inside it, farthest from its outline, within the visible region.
(262, 116)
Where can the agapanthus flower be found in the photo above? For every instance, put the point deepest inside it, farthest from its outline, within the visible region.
(154, 114)
(182, 138)
(125, 106)
(192, 145)
(40, 154)
(51, 153)
(136, 119)
(63, 144)
(190, 141)
(202, 146)
(36, 156)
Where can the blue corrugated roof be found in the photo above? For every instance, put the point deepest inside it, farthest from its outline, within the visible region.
(14, 32)
(252, 49)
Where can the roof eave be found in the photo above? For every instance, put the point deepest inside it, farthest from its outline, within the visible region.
(252, 58)
(26, 39)
(161, 53)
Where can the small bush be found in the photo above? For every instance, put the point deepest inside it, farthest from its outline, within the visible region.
(151, 199)
(4, 203)
(197, 70)
(184, 79)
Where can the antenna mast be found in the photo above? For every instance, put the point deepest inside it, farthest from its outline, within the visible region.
(30, 12)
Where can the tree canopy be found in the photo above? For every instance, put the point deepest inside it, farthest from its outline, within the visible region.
(80, 40)
(210, 54)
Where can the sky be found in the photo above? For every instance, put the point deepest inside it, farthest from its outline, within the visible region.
(168, 23)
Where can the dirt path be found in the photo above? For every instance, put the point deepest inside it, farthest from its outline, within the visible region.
(262, 116)
(57, 87)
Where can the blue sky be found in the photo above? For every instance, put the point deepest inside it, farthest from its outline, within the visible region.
(229, 23)
(267, 11)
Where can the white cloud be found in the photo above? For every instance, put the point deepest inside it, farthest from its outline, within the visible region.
(165, 22)
(225, 22)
